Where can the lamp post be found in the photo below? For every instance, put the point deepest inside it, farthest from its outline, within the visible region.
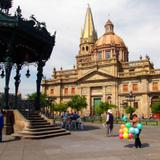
(130, 98)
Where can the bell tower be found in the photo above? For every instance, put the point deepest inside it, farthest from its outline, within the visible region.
(88, 37)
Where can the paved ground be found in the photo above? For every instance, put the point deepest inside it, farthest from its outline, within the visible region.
(84, 145)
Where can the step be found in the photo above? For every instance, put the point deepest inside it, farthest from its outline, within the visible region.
(37, 120)
(42, 132)
(39, 126)
(42, 129)
(39, 123)
(42, 136)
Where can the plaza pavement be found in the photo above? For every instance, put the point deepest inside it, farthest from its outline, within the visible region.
(90, 144)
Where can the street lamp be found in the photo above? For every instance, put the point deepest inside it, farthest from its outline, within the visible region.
(130, 98)
(2, 74)
(28, 73)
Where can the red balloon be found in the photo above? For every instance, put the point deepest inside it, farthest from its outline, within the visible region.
(130, 135)
(120, 136)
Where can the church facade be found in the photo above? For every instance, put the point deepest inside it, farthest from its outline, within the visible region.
(103, 72)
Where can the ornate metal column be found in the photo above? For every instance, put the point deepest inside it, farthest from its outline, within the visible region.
(17, 82)
(8, 67)
(41, 64)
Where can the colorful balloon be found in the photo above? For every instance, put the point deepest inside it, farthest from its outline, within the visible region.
(120, 136)
(124, 118)
(122, 126)
(139, 125)
(125, 135)
(125, 130)
(131, 130)
(136, 130)
(120, 131)
(128, 125)
(130, 135)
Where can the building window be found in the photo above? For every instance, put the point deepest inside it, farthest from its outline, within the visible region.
(155, 86)
(107, 55)
(109, 100)
(82, 48)
(66, 91)
(86, 48)
(52, 91)
(73, 91)
(100, 56)
(125, 88)
(135, 87)
(135, 105)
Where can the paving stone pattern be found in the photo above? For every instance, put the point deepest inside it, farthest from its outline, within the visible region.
(90, 144)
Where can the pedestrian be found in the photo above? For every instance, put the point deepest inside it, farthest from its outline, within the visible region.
(1, 123)
(135, 121)
(109, 122)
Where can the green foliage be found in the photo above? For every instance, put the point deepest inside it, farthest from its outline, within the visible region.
(78, 102)
(130, 110)
(98, 110)
(103, 107)
(155, 107)
(43, 99)
(60, 107)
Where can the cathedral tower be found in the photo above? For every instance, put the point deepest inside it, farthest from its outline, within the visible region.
(88, 37)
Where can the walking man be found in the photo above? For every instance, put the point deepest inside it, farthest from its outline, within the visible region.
(1, 123)
(109, 122)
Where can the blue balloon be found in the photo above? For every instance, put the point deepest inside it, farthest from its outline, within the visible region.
(124, 118)
(136, 130)
(139, 125)
(131, 130)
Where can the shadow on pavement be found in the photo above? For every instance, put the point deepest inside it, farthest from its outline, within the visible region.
(144, 145)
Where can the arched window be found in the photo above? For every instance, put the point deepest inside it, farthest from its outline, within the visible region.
(109, 99)
(87, 48)
(52, 91)
(83, 48)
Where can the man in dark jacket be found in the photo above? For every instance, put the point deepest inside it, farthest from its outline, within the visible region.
(1, 123)
(109, 122)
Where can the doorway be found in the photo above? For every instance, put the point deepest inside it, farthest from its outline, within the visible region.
(96, 101)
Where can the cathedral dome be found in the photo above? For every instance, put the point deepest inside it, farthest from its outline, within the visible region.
(109, 37)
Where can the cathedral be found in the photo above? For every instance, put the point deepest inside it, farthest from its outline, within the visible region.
(103, 72)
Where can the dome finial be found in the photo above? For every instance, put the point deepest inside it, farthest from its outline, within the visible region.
(109, 27)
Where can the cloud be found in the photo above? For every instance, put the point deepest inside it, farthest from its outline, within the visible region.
(137, 22)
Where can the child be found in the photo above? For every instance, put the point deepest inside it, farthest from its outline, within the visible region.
(135, 121)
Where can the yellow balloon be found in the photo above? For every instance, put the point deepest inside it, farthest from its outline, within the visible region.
(125, 130)
(125, 135)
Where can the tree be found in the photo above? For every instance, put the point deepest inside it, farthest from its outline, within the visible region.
(130, 110)
(155, 107)
(60, 107)
(43, 99)
(78, 102)
(103, 107)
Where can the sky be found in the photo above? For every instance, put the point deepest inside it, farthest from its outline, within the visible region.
(136, 22)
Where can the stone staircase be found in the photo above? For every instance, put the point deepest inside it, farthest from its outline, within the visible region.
(37, 128)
